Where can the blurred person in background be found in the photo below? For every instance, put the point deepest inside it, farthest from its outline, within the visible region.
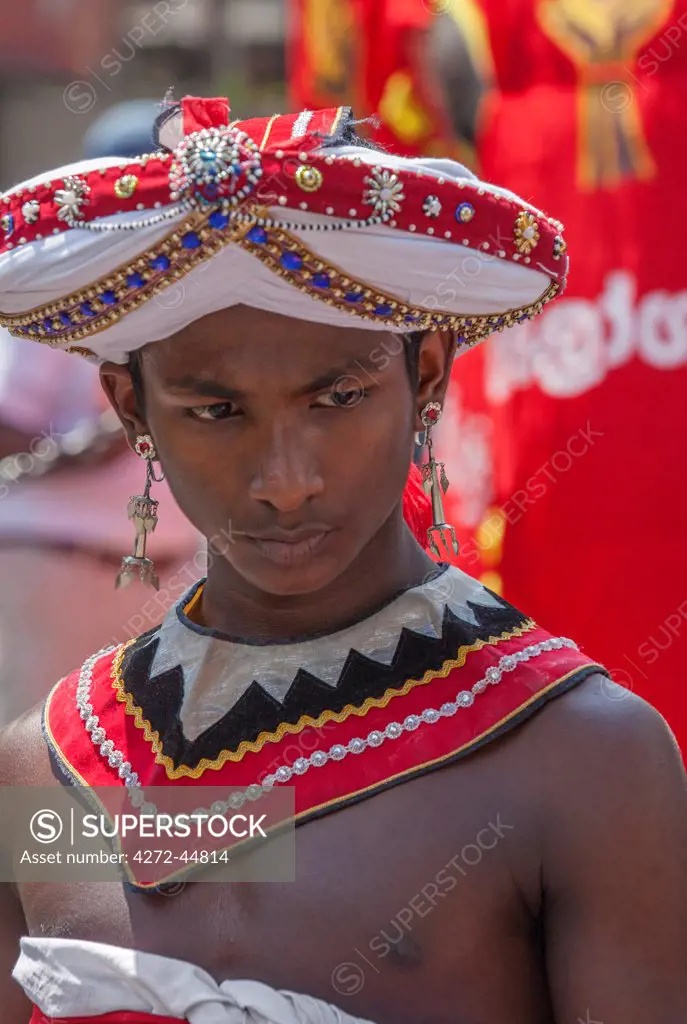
(66, 476)
(569, 437)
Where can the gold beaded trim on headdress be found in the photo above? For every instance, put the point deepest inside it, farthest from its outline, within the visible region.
(66, 322)
(90, 310)
(286, 255)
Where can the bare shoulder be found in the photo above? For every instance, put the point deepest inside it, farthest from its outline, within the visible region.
(608, 780)
(604, 777)
(23, 751)
(602, 733)
(596, 746)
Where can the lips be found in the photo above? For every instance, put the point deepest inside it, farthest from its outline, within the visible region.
(289, 547)
(278, 535)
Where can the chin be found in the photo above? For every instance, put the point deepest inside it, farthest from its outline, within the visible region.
(281, 573)
(284, 581)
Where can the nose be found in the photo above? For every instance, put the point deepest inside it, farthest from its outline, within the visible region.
(286, 476)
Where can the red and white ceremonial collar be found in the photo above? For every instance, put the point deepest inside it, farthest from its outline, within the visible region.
(99, 736)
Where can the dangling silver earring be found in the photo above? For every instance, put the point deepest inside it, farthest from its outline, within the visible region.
(435, 483)
(142, 511)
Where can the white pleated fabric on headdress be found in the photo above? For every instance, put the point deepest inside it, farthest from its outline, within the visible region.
(417, 269)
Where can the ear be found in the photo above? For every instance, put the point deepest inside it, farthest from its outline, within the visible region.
(434, 369)
(119, 388)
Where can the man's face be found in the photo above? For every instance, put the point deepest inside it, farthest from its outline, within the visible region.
(286, 443)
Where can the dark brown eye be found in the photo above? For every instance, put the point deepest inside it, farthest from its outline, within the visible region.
(348, 398)
(218, 411)
(343, 397)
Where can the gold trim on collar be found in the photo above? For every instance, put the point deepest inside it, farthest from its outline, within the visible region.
(344, 800)
(286, 728)
(454, 753)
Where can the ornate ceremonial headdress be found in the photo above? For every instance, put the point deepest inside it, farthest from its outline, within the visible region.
(289, 214)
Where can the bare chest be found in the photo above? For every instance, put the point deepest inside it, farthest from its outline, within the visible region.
(404, 909)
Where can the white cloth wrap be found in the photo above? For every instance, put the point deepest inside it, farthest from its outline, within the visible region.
(421, 270)
(70, 978)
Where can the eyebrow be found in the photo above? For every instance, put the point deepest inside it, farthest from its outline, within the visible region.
(205, 387)
(351, 371)
(213, 389)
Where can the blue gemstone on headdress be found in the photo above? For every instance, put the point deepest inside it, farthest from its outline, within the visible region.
(353, 296)
(66, 319)
(218, 220)
(257, 235)
(291, 260)
(409, 319)
(160, 263)
(321, 280)
(191, 240)
(135, 280)
(47, 323)
(108, 297)
(383, 309)
(87, 309)
(464, 213)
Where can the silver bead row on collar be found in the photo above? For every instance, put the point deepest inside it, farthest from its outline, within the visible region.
(284, 774)
(92, 723)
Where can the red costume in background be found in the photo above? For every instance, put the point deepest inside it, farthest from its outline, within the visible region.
(371, 54)
(569, 437)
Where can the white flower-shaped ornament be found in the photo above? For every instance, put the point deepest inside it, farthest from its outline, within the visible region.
(385, 193)
(70, 199)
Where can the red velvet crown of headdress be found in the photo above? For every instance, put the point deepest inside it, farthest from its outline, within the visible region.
(289, 171)
(218, 183)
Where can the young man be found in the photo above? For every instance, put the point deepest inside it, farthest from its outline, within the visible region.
(494, 830)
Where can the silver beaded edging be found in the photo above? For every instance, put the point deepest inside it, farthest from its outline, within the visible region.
(284, 774)
(114, 757)
(430, 716)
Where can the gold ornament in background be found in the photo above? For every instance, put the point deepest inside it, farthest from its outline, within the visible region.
(331, 40)
(603, 39)
(402, 110)
(603, 29)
